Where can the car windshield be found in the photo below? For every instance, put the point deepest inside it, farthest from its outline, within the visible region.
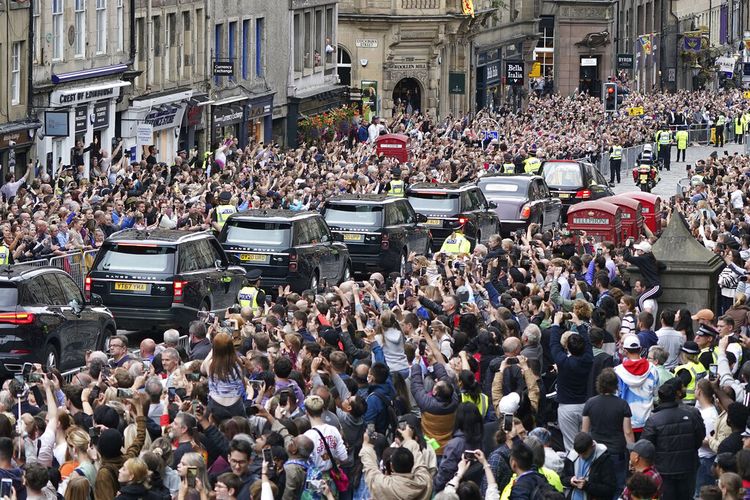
(8, 295)
(563, 175)
(494, 188)
(354, 215)
(434, 202)
(137, 258)
(258, 233)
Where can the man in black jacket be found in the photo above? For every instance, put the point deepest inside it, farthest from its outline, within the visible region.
(589, 468)
(677, 432)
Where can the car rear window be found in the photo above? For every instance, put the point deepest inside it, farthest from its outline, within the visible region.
(354, 215)
(434, 202)
(505, 188)
(8, 295)
(137, 258)
(563, 175)
(258, 233)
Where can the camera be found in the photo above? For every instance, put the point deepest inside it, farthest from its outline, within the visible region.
(469, 455)
(206, 316)
(567, 317)
(11, 143)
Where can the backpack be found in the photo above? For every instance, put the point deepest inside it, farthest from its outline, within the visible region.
(391, 415)
(313, 477)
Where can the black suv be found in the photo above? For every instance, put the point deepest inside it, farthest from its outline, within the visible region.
(288, 247)
(379, 230)
(44, 319)
(162, 277)
(448, 206)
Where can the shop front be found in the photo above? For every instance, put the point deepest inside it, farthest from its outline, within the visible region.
(16, 139)
(488, 79)
(310, 104)
(164, 112)
(84, 114)
(227, 119)
(259, 119)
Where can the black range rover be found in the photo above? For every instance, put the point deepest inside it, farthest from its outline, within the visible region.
(449, 206)
(379, 230)
(45, 319)
(288, 247)
(162, 277)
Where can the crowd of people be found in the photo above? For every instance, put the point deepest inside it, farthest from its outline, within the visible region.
(532, 367)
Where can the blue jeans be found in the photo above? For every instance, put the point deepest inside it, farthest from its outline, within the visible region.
(704, 475)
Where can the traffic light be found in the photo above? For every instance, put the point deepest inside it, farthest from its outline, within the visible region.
(610, 97)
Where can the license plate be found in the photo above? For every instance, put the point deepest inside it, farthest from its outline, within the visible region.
(564, 195)
(354, 237)
(131, 287)
(255, 257)
(434, 222)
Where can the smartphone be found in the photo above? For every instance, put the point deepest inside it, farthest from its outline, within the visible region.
(713, 372)
(124, 393)
(95, 391)
(146, 365)
(6, 488)
(94, 433)
(26, 370)
(193, 376)
(469, 455)
(371, 430)
(171, 393)
(35, 378)
(422, 346)
(507, 422)
(192, 474)
(401, 297)
(268, 457)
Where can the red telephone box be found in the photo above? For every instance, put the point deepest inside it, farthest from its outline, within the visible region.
(393, 146)
(632, 218)
(600, 219)
(650, 208)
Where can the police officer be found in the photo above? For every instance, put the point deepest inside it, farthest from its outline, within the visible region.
(646, 156)
(508, 166)
(396, 187)
(5, 256)
(664, 145)
(615, 161)
(690, 371)
(223, 211)
(719, 139)
(456, 243)
(532, 164)
(704, 337)
(251, 295)
(681, 137)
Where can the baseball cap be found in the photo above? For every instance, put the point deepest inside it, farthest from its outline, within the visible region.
(643, 448)
(643, 246)
(703, 314)
(631, 342)
(690, 347)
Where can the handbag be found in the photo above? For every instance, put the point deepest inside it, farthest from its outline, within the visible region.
(340, 479)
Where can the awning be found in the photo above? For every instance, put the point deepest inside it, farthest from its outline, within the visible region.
(160, 98)
(199, 100)
(76, 95)
(230, 100)
(89, 73)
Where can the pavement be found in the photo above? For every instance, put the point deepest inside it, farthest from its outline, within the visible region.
(667, 187)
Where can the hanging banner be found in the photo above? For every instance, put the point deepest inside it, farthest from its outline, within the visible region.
(646, 44)
(692, 43)
(726, 65)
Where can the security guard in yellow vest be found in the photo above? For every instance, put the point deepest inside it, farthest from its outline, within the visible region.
(250, 295)
(681, 138)
(615, 161)
(704, 337)
(223, 211)
(690, 371)
(483, 404)
(508, 166)
(456, 243)
(4, 255)
(396, 188)
(664, 146)
(746, 121)
(739, 129)
(719, 133)
(532, 164)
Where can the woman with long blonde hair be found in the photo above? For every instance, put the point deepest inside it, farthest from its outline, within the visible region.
(133, 479)
(226, 382)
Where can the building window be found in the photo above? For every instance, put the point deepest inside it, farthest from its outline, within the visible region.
(299, 37)
(308, 35)
(184, 48)
(544, 53)
(318, 39)
(232, 39)
(37, 35)
(15, 75)
(101, 26)
(200, 45)
(80, 20)
(245, 49)
(120, 26)
(168, 44)
(218, 44)
(329, 41)
(260, 32)
(57, 30)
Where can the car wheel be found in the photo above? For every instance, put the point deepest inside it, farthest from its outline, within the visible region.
(347, 274)
(314, 281)
(51, 357)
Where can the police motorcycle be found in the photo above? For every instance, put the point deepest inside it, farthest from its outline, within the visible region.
(646, 171)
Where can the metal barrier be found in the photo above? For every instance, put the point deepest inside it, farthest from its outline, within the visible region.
(77, 264)
(184, 342)
(629, 159)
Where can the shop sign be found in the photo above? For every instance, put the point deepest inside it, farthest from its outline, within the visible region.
(408, 66)
(514, 73)
(223, 68)
(588, 61)
(56, 124)
(71, 97)
(163, 117)
(194, 116)
(366, 43)
(81, 119)
(456, 83)
(624, 61)
(100, 118)
(492, 73)
(20, 138)
(144, 134)
(258, 110)
(227, 116)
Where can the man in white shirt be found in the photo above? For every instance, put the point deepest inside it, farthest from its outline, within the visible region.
(11, 186)
(669, 339)
(319, 431)
(736, 197)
